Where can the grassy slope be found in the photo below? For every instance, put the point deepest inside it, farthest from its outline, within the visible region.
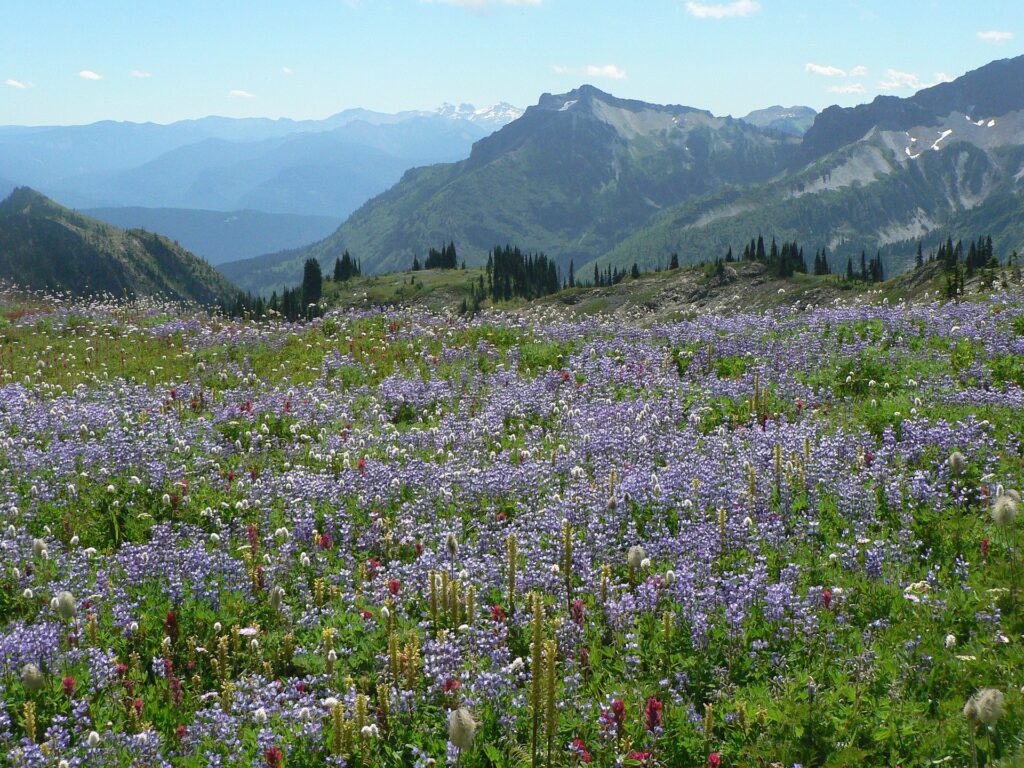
(684, 292)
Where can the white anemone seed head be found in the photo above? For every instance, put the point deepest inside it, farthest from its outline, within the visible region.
(67, 606)
(32, 678)
(461, 728)
(635, 556)
(990, 703)
(1004, 510)
(957, 463)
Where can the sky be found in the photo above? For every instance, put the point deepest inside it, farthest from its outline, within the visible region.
(67, 62)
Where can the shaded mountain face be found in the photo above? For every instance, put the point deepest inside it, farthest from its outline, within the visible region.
(46, 246)
(220, 236)
(792, 120)
(915, 171)
(573, 176)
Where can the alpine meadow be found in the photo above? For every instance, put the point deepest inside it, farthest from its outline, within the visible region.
(351, 415)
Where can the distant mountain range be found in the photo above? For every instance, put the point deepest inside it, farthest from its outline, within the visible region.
(46, 246)
(574, 176)
(220, 237)
(593, 179)
(320, 168)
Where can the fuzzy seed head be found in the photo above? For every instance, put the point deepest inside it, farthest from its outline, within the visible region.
(276, 597)
(461, 728)
(957, 463)
(67, 607)
(452, 545)
(990, 705)
(32, 678)
(635, 556)
(1004, 510)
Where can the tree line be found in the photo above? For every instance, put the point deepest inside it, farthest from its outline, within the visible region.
(301, 302)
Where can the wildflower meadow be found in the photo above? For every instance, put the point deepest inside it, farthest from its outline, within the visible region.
(401, 538)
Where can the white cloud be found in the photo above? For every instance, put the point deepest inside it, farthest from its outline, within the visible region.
(605, 70)
(847, 88)
(16, 83)
(140, 73)
(995, 37)
(240, 94)
(822, 69)
(88, 74)
(611, 71)
(895, 80)
(859, 71)
(288, 70)
(722, 10)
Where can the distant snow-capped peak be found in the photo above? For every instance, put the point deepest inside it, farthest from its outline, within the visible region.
(496, 115)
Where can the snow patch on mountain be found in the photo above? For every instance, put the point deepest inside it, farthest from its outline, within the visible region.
(942, 136)
(494, 116)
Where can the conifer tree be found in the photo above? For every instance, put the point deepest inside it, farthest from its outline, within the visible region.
(312, 282)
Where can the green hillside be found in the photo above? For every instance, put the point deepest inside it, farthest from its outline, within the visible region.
(46, 246)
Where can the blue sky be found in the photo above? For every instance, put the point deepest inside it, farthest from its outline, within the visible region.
(65, 63)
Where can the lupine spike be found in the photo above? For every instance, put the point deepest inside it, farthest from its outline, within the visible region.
(551, 710)
(513, 557)
(432, 577)
(537, 673)
(470, 604)
(567, 559)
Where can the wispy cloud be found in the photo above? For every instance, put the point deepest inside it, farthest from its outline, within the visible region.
(605, 70)
(16, 84)
(896, 80)
(287, 70)
(995, 37)
(722, 10)
(140, 73)
(240, 94)
(88, 74)
(859, 71)
(847, 88)
(611, 71)
(824, 69)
